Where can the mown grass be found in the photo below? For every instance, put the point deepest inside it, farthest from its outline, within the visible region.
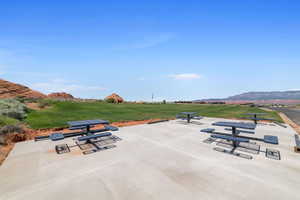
(62, 112)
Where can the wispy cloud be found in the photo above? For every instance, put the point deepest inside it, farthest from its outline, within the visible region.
(61, 85)
(148, 41)
(185, 76)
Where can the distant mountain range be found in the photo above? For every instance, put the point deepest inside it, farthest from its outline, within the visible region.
(261, 96)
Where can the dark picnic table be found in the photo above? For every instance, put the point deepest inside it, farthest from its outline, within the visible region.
(255, 118)
(234, 126)
(87, 124)
(189, 115)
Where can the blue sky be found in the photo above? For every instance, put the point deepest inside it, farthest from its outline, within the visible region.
(174, 49)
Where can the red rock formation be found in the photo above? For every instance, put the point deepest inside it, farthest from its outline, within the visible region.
(12, 90)
(116, 98)
(60, 95)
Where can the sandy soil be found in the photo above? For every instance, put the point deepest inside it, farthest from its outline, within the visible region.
(290, 122)
(4, 151)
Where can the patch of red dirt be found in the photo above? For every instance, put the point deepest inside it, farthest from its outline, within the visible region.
(4, 151)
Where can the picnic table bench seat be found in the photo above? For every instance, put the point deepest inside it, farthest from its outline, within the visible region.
(180, 117)
(297, 141)
(271, 139)
(197, 117)
(56, 136)
(231, 138)
(208, 130)
(111, 128)
(89, 137)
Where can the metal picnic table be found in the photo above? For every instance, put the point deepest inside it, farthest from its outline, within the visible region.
(235, 139)
(255, 118)
(87, 124)
(235, 126)
(189, 115)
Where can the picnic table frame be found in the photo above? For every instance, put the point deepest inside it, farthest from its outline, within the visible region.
(189, 115)
(87, 124)
(234, 126)
(255, 118)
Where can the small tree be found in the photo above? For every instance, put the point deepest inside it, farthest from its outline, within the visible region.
(110, 100)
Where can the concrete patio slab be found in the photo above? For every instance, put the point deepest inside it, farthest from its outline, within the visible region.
(160, 161)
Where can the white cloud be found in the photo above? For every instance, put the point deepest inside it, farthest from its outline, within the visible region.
(61, 85)
(187, 76)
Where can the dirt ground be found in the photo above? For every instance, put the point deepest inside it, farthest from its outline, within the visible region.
(4, 151)
(290, 122)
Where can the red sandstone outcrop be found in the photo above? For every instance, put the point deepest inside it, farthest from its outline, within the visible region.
(13, 90)
(60, 95)
(116, 98)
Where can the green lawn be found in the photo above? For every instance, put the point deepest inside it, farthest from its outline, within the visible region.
(61, 112)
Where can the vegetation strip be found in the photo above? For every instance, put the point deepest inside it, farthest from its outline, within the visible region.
(60, 112)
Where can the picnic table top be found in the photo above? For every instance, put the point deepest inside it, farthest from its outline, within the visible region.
(188, 113)
(87, 122)
(251, 126)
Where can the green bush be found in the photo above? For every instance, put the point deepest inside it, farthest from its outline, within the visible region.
(12, 108)
(5, 131)
(111, 100)
(7, 121)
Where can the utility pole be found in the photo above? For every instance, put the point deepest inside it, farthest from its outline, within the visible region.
(152, 97)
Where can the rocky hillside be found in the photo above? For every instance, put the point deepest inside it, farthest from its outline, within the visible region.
(262, 96)
(266, 95)
(12, 90)
(60, 95)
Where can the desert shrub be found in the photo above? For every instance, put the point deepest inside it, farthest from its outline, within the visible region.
(17, 128)
(12, 108)
(31, 100)
(8, 130)
(43, 104)
(21, 99)
(110, 100)
(7, 121)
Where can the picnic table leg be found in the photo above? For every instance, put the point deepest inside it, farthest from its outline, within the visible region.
(88, 129)
(234, 131)
(188, 118)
